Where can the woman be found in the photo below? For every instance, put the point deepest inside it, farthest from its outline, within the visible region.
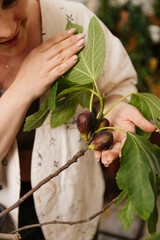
(34, 52)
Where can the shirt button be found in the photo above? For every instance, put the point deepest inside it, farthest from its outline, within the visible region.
(4, 161)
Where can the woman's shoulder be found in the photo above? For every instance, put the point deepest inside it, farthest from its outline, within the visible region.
(66, 10)
(63, 3)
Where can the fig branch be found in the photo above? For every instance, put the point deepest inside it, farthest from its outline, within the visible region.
(85, 127)
(69, 222)
(47, 179)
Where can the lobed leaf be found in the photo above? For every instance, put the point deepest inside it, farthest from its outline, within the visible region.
(92, 58)
(139, 158)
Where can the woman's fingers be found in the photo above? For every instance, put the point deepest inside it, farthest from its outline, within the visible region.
(137, 118)
(65, 55)
(97, 155)
(60, 57)
(56, 39)
(110, 155)
(63, 67)
(72, 44)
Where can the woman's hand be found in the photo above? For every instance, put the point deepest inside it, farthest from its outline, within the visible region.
(47, 62)
(127, 117)
(40, 69)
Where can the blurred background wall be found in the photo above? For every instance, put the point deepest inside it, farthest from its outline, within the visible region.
(137, 24)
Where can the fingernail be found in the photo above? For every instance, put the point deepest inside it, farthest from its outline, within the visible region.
(75, 58)
(106, 165)
(80, 35)
(80, 43)
(71, 31)
(157, 129)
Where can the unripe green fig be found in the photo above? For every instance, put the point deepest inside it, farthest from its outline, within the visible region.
(85, 123)
(103, 123)
(102, 141)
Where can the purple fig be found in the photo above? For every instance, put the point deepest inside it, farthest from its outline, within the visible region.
(85, 123)
(102, 141)
(103, 123)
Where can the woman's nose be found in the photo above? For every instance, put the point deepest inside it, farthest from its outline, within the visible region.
(7, 26)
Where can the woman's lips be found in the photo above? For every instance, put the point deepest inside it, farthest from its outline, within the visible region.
(11, 41)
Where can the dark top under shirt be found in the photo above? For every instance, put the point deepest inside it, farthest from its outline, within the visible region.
(25, 139)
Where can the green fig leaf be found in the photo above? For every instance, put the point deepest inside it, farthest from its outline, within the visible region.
(64, 84)
(92, 58)
(36, 119)
(67, 103)
(76, 89)
(65, 109)
(149, 105)
(122, 196)
(84, 99)
(127, 214)
(152, 221)
(87, 70)
(79, 28)
(52, 96)
(139, 158)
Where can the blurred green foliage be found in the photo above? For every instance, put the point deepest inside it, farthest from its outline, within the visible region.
(135, 35)
(156, 7)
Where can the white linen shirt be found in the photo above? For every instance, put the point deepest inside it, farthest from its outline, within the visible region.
(77, 192)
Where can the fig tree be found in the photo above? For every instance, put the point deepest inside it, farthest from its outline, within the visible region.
(102, 141)
(85, 123)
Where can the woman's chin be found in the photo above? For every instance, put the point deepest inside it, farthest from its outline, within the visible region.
(13, 51)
